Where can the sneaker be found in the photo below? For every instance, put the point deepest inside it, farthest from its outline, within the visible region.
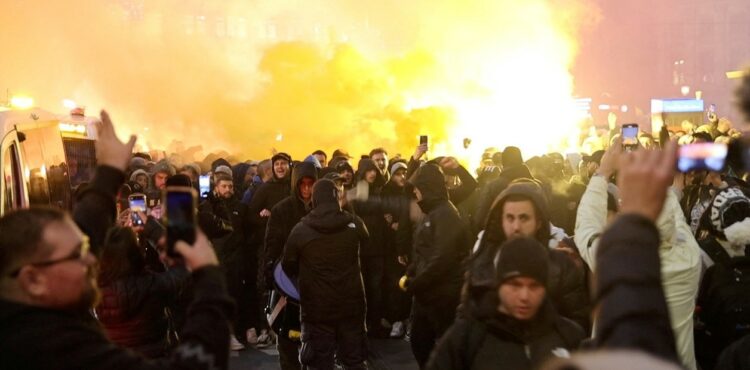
(234, 344)
(398, 330)
(252, 337)
(265, 339)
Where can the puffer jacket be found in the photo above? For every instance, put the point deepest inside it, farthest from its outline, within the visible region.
(132, 310)
(566, 288)
(322, 252)
(493, 340)
(679, 253)
(441, 242)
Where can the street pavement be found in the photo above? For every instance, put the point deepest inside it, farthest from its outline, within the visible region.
(385, 354)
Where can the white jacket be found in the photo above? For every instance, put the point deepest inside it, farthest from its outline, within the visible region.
(679, 252)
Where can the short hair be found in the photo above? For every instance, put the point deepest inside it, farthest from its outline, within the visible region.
(22, 232)
(320, 152)
(378, 151)
(743, 95)
(223, 177)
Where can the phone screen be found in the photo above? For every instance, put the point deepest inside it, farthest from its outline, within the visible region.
(204, 183)
(702, 156)
(630, 135)
(137, 203)
(179, 218)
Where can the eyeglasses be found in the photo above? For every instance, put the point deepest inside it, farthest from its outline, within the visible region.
(79, 254)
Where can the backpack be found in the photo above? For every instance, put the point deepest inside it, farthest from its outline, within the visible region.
(724, 295)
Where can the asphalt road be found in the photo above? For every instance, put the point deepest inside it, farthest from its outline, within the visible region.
(390, 354)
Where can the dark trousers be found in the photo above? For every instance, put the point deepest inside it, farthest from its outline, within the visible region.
(288, 353)
(397, 302)
(346, 339)
(429, 323)
(373, 273)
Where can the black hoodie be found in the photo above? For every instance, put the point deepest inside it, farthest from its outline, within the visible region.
(493, 189)
(372, 215)
(441, 242)
(322, 252)
(567, 286)
(285, 215)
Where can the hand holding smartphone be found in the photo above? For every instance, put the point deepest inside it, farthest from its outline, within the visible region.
(630, 136)
(180, 208)
(137, 203)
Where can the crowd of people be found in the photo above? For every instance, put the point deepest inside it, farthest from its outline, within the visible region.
(610, 262)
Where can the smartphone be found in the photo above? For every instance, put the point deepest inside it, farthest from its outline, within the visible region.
(630, 136)
(204, 183)
(180, 208)
(702, 157)
(423, 140)
(137, 203)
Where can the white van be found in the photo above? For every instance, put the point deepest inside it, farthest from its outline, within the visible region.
(44, 157)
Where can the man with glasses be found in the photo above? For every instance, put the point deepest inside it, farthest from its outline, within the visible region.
(48, 284)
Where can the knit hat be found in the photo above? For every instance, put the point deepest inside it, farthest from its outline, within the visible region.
(223, 169)
(395, 166)
(136, 173)
(280, 156)
(730, 215)
(522, 257)
(341, 153)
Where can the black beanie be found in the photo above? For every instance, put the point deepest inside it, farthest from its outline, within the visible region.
(280, 156)
(522, 257)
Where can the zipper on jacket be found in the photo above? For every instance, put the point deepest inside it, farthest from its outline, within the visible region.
(527, 349)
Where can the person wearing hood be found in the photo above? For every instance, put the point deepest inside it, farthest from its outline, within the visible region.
(159, 175)
(380, 157)
(723, 296)
(283, 217)
(346, 171)
(434, 278)
(264, 174)
(513, 168)
(398, 224)
(242, 178)
(679, 251)
(372, 253)
(521, 211)
(322, 254)
(140, 177)
(517, 326)
(272, 191)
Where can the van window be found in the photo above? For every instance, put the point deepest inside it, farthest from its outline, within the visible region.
(12, 176)
(48, 172)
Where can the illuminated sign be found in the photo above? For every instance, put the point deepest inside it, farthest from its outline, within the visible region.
(73, 128)
(676, 105)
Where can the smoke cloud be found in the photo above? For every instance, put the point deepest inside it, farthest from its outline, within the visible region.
(295, 76)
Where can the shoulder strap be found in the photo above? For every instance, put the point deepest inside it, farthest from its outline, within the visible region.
(715, 251)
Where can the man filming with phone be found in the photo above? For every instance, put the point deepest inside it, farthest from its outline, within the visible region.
(48, 285)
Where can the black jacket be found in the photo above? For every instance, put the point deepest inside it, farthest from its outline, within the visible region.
(322, 252)
(132, 310)
(494, 340)
(633, 311)
(95, 210)
(227, 224)
(441, 242)
(566, 287)
(284, 216)
(493, 190)
(371, 213)
(266, 196)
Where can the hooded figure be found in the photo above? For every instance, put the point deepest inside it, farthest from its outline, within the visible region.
(566, 286)
(238, 178)
(441, 243)
(513, 168)
(284, 216)
(516, 325)
(322, 253)
(372, 254)
(265, 198)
